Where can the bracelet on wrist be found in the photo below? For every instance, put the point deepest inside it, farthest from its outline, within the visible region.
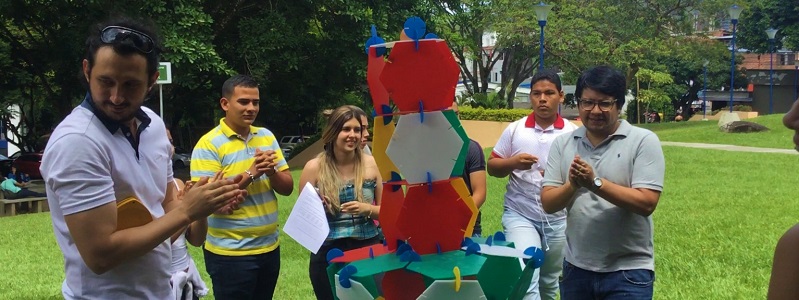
(252, 178)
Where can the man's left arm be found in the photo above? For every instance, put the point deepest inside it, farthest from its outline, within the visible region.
(649, 168)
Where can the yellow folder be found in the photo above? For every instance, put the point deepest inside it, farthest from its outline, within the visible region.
(132, 213)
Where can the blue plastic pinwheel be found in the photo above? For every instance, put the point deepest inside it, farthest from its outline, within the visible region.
(375, 40)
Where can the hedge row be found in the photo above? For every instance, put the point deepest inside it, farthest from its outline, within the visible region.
(466, 113)
(500, 115)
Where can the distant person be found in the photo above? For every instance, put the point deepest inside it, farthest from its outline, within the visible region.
(19, 176)
(242, 249)
(784, 282)
(608, 175)
(522, 152)
(18, 190)
(109, 148)
(350, 186)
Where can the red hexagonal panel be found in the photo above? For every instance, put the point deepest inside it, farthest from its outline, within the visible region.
(373, 70)
(403, 284)
(390, 207)
(428, 218)
(428, 74)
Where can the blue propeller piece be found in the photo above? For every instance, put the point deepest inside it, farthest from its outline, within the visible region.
(375, 40)
(345, 274)
(473, 248)
(537, 256)
(333, 253)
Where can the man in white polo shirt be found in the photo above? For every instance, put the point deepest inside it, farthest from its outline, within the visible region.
(608, 174)
(111, 148)
(521, 152)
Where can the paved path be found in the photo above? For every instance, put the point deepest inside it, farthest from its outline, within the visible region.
(730, 147)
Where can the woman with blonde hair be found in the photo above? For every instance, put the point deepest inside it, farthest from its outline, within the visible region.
(348, 183)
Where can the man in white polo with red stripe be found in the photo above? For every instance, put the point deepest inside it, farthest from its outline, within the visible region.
(521, 152)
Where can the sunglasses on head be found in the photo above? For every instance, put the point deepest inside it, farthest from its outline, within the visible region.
(116, 34)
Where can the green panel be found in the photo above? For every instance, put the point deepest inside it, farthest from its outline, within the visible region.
(498, 276)
(377, 265)
(457, 170)
(521, 286)
(440, 266)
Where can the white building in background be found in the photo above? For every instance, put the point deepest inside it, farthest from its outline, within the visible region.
(7, 148)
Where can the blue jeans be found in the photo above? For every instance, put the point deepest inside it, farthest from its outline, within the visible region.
(578, 283)
(243, 277)
(550, 237)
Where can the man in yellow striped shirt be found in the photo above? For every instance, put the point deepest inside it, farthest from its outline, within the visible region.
(242, 252)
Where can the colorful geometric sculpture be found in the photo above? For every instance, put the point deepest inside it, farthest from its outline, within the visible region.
(445, 290)
(426, 74)
(425, 147)
(434, 221)
(380, 141)
(463, 192)
(427, 213)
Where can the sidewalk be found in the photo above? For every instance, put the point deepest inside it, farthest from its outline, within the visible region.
(730, 147)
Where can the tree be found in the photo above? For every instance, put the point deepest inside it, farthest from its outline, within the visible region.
(463, 24)
(761, 15)
(306, 55)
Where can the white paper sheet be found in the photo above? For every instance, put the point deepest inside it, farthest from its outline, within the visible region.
(307, 223)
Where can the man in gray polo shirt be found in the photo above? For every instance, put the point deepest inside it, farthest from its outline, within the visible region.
(608, 174)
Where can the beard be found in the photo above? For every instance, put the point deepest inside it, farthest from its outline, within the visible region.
(110, 112)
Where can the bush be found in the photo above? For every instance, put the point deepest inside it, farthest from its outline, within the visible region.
(737, 107)
(499, 115)
(489, 100)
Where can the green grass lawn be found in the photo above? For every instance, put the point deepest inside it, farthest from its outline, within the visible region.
(708, 132)
(715, 228)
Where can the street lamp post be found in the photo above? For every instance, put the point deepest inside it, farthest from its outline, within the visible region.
(735, 12)
(541, 11)
(771, 33)
(704, 93)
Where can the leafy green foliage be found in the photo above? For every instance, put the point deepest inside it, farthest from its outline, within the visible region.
(764, 14)
(499, 115)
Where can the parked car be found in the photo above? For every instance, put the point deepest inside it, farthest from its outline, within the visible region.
(181, 158)
(29, 163)
(288, 142)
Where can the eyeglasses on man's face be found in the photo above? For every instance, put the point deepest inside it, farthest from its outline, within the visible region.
(604, 105)
(116, 34)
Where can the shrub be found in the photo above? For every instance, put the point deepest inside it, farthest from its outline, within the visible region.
(500, 115)
(737, 107)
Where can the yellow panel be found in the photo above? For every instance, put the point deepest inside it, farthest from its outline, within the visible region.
(460, 187)
(380, 140)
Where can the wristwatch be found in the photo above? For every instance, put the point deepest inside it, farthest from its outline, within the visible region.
(596, 184)
(274, 170)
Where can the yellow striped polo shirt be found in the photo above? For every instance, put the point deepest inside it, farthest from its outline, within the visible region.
(252, 229)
